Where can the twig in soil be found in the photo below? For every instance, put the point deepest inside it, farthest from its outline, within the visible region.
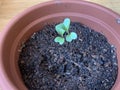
(74, 63)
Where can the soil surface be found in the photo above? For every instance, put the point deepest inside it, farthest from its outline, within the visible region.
(87, 63)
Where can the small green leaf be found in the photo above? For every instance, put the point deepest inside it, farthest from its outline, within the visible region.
(66, 24)
(73, 35)
(59, 40)
(68, 38)
(59, 29)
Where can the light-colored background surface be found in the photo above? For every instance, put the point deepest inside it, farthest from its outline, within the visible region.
(10, 8)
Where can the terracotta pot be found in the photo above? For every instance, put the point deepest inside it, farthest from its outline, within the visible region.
(21, 27)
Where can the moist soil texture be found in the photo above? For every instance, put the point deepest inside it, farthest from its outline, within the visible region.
(87, 63)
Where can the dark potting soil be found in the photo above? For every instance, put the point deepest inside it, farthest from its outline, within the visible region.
(87, 63)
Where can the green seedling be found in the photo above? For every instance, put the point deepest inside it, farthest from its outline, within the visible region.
(61, 29)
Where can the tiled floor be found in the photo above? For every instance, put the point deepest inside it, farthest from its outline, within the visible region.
(10, 8)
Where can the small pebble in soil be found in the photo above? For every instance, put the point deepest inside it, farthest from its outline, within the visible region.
(87, 63)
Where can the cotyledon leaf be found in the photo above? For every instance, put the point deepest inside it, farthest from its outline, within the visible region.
(66, 23)
(71, 36)
(59, 40)
(59, 29)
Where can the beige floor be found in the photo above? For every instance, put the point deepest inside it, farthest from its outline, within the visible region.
(10, 8)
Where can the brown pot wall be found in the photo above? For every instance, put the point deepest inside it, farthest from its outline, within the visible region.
(21, 27)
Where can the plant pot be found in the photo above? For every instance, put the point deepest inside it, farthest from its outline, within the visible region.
(25, 24)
